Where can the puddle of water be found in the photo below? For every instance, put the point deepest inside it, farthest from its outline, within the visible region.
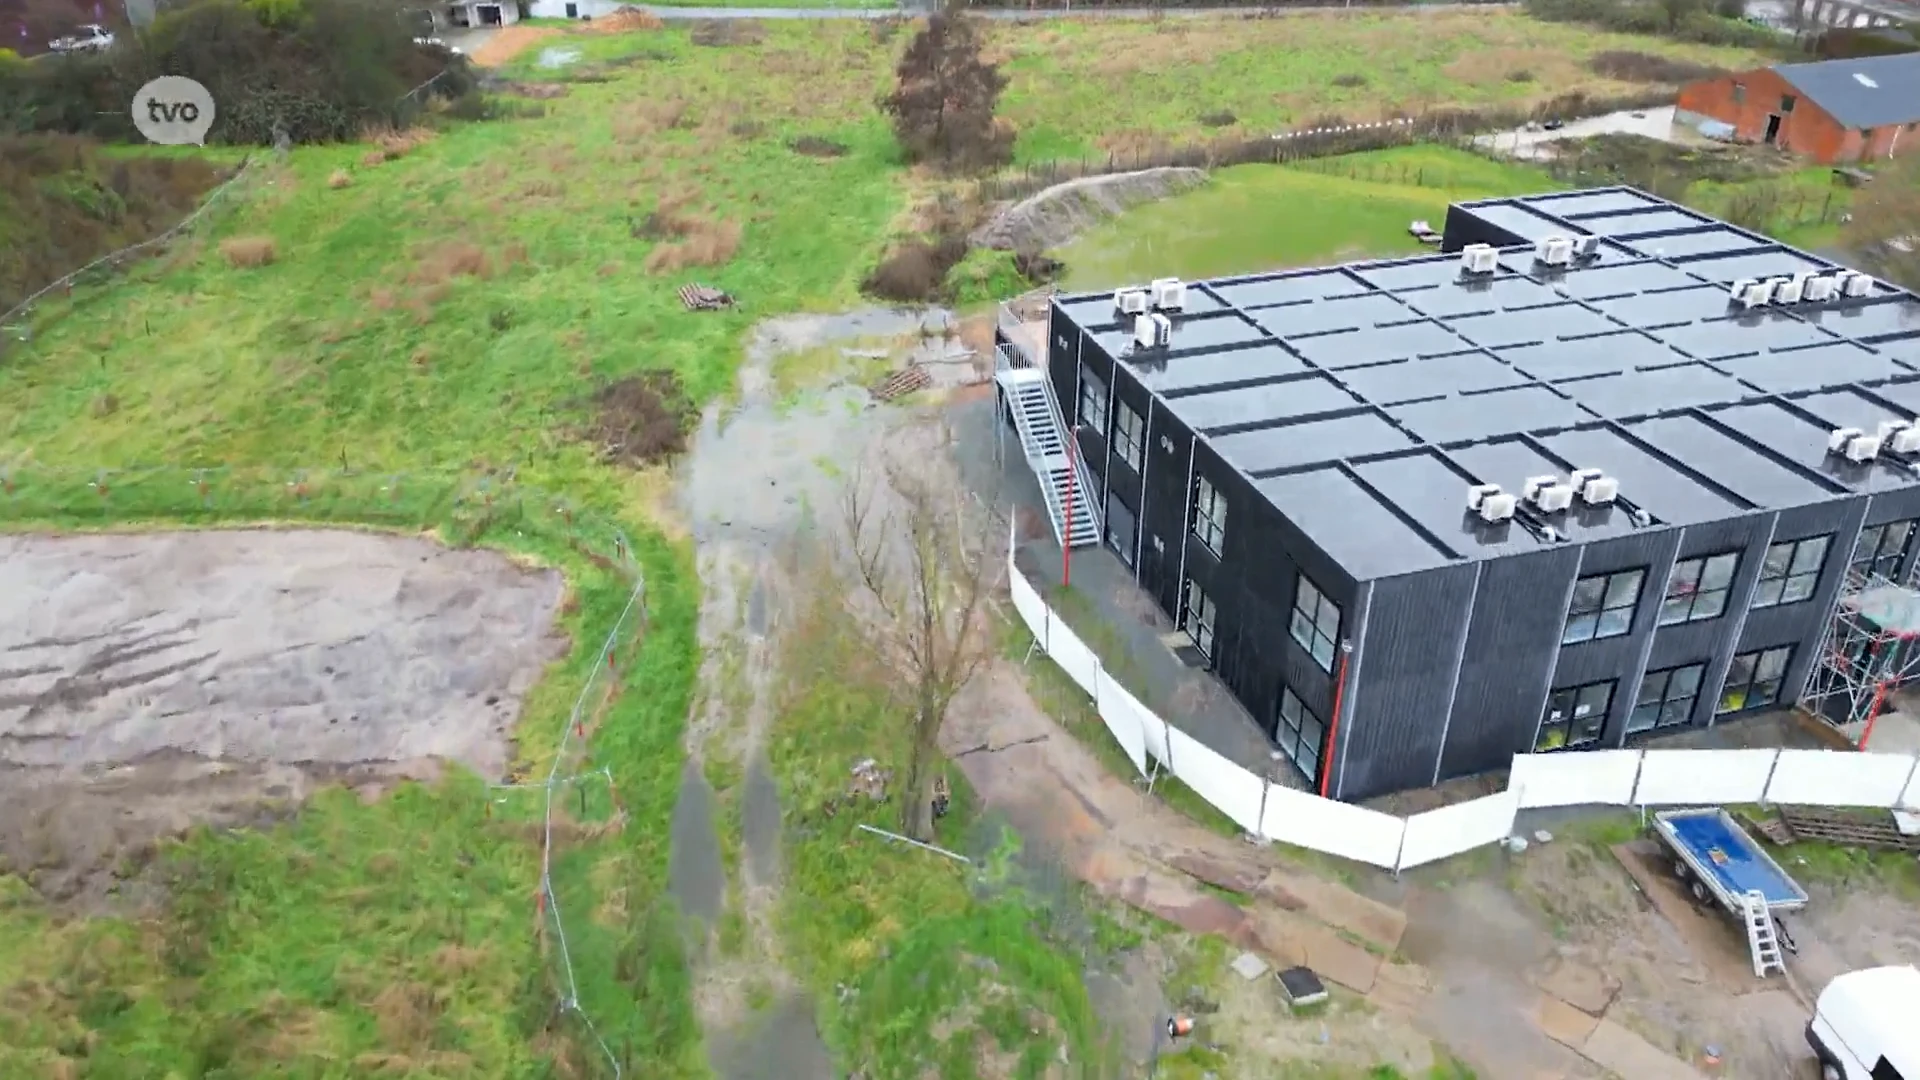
(780, 1043)
(556, 58)
(695, 876)
(760, 826)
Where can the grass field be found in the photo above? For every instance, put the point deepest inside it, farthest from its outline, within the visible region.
(450, 308)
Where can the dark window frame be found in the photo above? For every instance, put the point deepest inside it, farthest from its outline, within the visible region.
(1673, 704)
(1290, 734)
(1604, 611)
(1689, 598)
(1790, 571)
(1093, 390)
(1757, 661)
(1787, 102)
(1315, 622)
(1206, 616)
(1882, 554)
(1210, 510)
(1571, 699)
(1130, 441)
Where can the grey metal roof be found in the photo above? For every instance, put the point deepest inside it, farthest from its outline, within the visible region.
(1868, 91)
(1373, 394)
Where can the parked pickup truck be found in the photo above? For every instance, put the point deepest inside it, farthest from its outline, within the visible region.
(91, 38)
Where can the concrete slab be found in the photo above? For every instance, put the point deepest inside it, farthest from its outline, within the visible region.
(1248, 966)
(1562, 1022)
(1620, 1051)
(1580, 985)
(1290, 940)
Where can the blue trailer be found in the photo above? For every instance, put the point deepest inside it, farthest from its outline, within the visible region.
(1720, 862)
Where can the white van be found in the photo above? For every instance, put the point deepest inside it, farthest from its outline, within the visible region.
(1863, 1026)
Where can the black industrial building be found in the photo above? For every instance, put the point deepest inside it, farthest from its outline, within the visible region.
(1290, 478)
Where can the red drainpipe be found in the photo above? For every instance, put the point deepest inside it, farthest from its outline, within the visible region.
(1333, 729)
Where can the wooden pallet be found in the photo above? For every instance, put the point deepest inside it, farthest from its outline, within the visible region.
(702, 298)
(1773, 830)
(1809, 823)
(901, 383)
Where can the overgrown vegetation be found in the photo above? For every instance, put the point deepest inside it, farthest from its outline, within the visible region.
(944, 97)
(1886, 223)
(1711, 22)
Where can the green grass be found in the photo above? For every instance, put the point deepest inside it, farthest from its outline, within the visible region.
(1258, 217)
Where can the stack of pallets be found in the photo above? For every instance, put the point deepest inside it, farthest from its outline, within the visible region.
(702, 298)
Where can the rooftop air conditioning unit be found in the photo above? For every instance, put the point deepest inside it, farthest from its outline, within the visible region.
(1888, 428)
(1790, 290)
(1169, 294)
(1554, 251)
(1131, 301)
(1758, 293)
(1600, 491)
(1479, 258)
(1820, 289)
(1863, 448)
(1903, 440)
(1530, 491)
(1737, 292)
(1586, 247)
(1838, 439)
(1554, 498)
(1578, 478)
(1492, 504)
(1857, 285)
(1153, 331)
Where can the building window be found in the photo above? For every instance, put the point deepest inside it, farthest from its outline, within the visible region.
(1198, 617)
(1316, 622)
(1739, 93)
(1129, 436)
(1300, 735)
(1209, 515)
(1698, 588)
(1881, 549)
(1791, 572)
(1093, 402)
(1753, 680)
(1575, 716)
(1866, 138)
(1666, 698)
(1787, 102)
(1603, 606)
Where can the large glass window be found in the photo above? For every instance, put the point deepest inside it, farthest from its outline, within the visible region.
(1093, 402)
(1198, 617)
(1754, 679)
(1603, 606)
(1209, 515)
(1791, 572)
(1666, 698)
(1698, 587)
(1315, 623)
(1129, 436)
(1575, 716)
(1882, 548)
(1300, 735)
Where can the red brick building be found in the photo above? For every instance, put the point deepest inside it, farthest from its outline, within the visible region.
(1862, 109)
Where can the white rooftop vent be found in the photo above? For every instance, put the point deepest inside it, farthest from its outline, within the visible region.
(1864, 448)
(1838, 439)
(1600, 491)
(1554, 498)
(1153, 331)
(1820, 289)
(1131, 301)
(1737, 292)
(1866, 81)
(1498, 507)
(1478, 493)
(1757, 294)
(1857, 285)
(1554, 251)
(1479, 258)
(1586, 247)
(1578, 478)
(1905, 440)
(1790, 290)
(1169, 294)
(1530, 490)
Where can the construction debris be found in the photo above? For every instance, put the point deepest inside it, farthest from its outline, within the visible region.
(1847, 830)
(901, 383)
(870, 780)
(1423, 232)
(703, 298)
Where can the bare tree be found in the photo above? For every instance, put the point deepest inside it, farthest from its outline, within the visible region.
(910, 548)
(945, 94)
(1885, 229)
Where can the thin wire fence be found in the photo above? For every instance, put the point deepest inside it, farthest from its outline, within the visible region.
(578, 800)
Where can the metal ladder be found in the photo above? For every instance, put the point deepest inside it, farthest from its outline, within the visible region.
(1071, 507)
(1762, 941)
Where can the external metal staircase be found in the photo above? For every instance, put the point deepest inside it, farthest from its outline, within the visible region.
(1072, 504)
(1761, 939)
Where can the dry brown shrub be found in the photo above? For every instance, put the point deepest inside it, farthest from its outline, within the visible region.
(815, 146)
(640, 419)
(723, 32)
(406, 1014)
(247, 252)
(339, 178)
(397, 142)
(454, 259)
(382, 299)
(651, 116)
(513, 254)
(543, 189)
(703, 242)
(373, 157)
(1626, 65)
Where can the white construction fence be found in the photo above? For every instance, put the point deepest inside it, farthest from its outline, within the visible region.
(1595, 777)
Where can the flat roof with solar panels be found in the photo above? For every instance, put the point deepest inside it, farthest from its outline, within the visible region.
(1572, 366)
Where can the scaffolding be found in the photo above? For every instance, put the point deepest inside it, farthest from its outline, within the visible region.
(1870, 649)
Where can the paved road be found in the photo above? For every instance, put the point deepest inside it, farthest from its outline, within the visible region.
(1014, 14)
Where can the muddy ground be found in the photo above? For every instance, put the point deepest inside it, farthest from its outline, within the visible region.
(153, 681)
